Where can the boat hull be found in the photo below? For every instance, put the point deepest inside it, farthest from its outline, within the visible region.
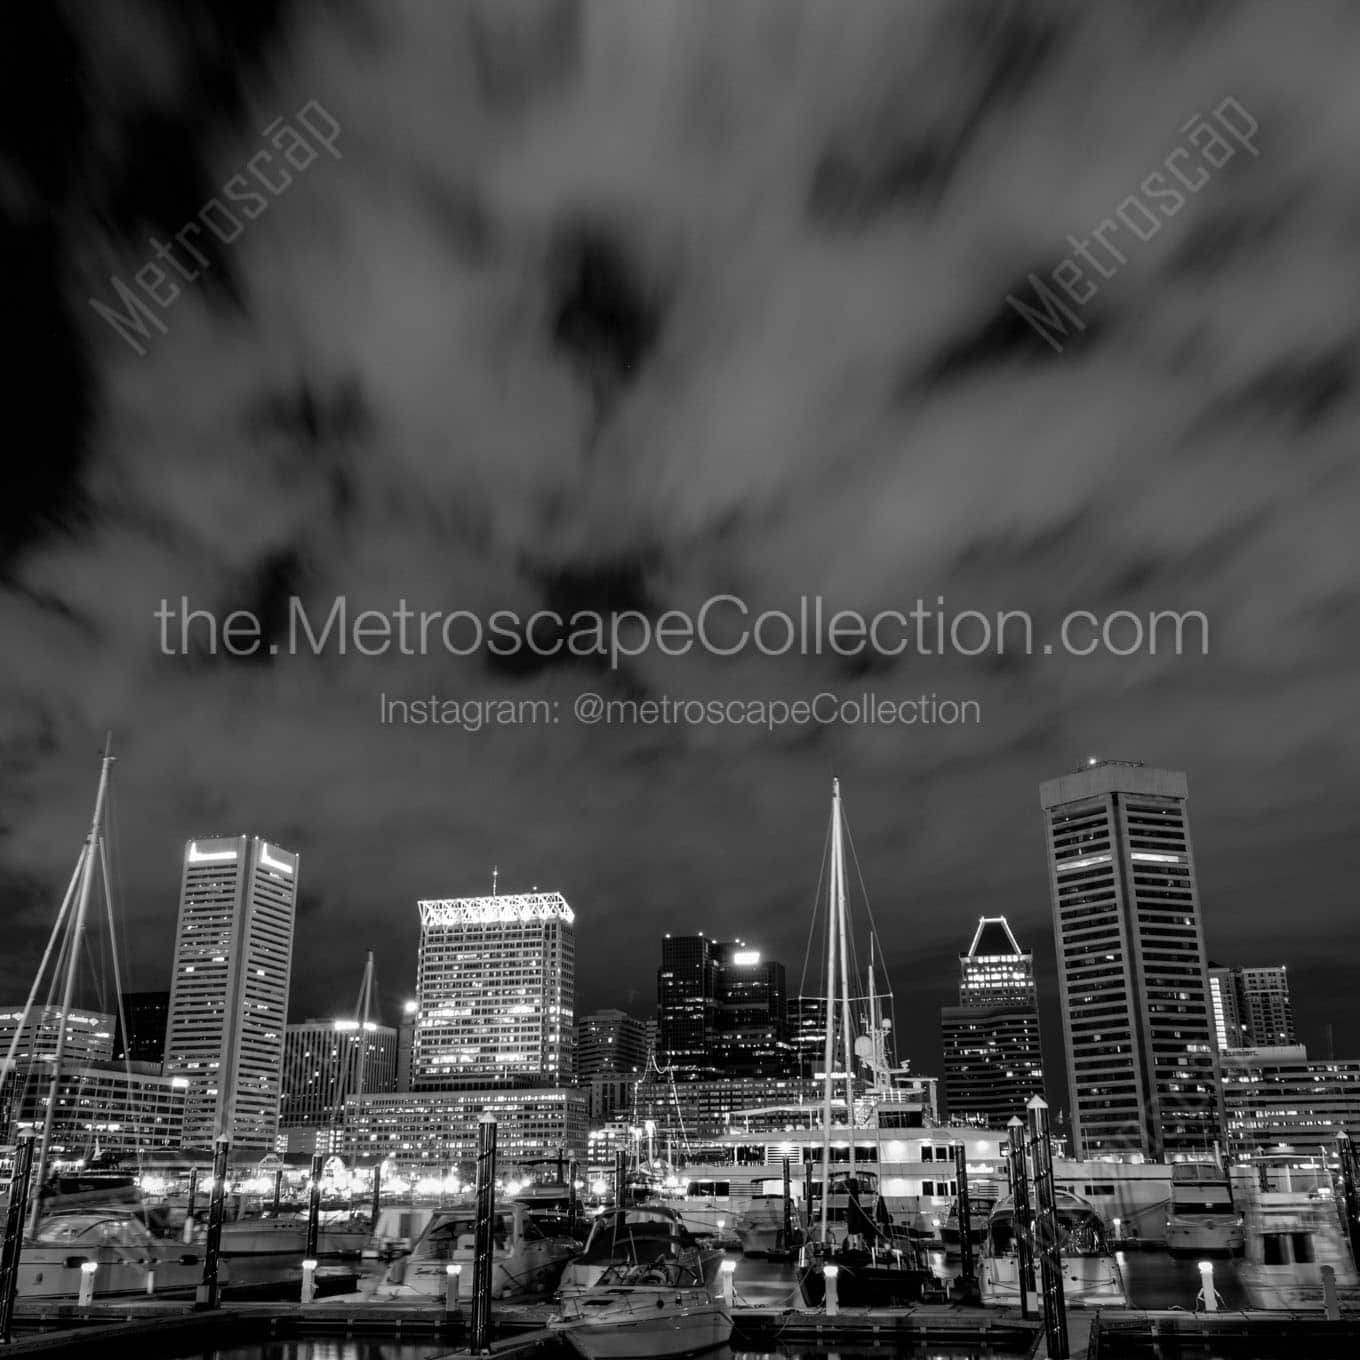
(647, 1323)
(54, 1272)
(865, 1285)
(1088, 1282)
(1295, 1288)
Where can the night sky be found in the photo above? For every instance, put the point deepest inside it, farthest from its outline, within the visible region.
(619, 307)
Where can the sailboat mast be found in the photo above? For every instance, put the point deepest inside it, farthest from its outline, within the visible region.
(829, 1050)
(77, 925)
(848, 1036)
(362, 1016)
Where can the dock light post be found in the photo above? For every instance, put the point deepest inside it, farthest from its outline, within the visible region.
(1024, 1241)
(189, 1206)
(1046, 1232)
(727, 1271)
(151, 1279)
(830, 1275)
(13, 1243)
(314, 1208)
(309, 1279)
(88, 1270)
(1206, 1287)
(206, 1294)
(452, 1275)
(481, 1267)
(788, 1208)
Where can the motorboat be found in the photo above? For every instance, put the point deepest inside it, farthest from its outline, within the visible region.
(1090, 1274)
(117, 1248)
(525, 1262)
(629, 1235)
(657, 1308)
(342, 1238)
(1294, 1227)
(980, 1206)
(760, 1226)
(1201, 1218)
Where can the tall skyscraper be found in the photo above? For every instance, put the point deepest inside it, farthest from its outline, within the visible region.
(993, 1063)
(609, 1041)
(686, 1004)
(1230, 1030)
(807, 1035)
(406, 1044)
(1131, 966)
(145, 1015)
(325, 1061)
(721, 1009)
(229, 993)
(495, 992)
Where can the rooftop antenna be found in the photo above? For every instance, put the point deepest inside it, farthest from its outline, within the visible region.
(495, 878)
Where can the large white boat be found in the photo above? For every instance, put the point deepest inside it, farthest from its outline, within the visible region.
(1294, 1227)
(761, 1226)
(525, 1262)
(116, 1249)
(1201, 1218)
(285, 1238)
(1090, 1274)
(659, 1309)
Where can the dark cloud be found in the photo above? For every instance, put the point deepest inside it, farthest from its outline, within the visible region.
(624, 306)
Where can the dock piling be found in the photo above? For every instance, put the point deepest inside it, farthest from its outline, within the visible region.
(314, 1209)
(1207, 1293)
(309, 1279)
(966, 1287)
(278, 1190)
(787, 1244)
(207, 1293)
(189, 1206)
(480, 1331)
(830, 1275)
(1329, 1298)
(1024, 1241)
(1046, 1232)
(13, 1244)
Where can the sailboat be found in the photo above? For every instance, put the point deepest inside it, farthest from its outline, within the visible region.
(873, 1265)
(88, 1225)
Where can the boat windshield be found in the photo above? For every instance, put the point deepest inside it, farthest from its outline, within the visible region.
(1080, 1233)
(94, 1230)
(665, 1271)
(448, 1233)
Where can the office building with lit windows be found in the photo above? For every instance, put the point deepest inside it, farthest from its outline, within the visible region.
(1252, 1007)
(1276, 1096)
(611, 1058)
(326, 1061)
(993, 1063)
(229, 990)
(89, 1036)
(495, 993)
(1142, 1065)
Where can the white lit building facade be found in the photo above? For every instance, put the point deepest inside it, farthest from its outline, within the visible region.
(229, 991)
(108, 1108)
(495, 993)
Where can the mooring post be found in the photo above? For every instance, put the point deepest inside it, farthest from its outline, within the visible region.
(1024, 1242)
(452, 1275)
(314, 1208)
(965, 1288)
(620, 1175)
(788, 1208)
(1350, 1197)
(830, 1275)
(572, 1207)
(807, 1197)
(480, 1331)
(189, 1207)
(1330, 1302)
(12, 1247)
(206, 1294)
(1046, 1232)
(278, 1190)
(377, 1193)
(1206, 1286)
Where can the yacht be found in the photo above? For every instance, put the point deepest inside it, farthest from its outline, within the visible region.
(525, 1262)
(980, 1203)
(121, 1250)
(1294, 1227)
(1201, 1218)
(664, 1308)
(1091, 1275)
(760, 1226)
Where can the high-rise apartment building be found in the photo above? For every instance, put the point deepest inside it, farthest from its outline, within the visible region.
(229, 993)
(495, 993)
(326, 1061)
(1252, 1007)
(145, 1016)
(1131, 965)
(993, 1063)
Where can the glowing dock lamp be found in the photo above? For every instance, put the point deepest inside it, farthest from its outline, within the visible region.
(151, 1280)
(727, 1271)
(87, 1273)
(829, 1274)
(308, 1280)
(1114, 1223)
(452, 1273)
(1206, 1286)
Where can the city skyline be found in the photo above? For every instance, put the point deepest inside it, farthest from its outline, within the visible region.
(621, 310)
